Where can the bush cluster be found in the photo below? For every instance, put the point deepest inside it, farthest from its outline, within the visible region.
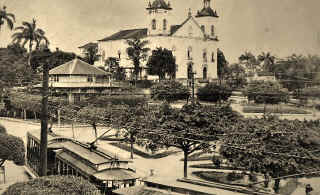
(233, 176)
(53, 185)
(213, 92)
(217, 160)
(130, 100)
(268, 92)
(169, 91)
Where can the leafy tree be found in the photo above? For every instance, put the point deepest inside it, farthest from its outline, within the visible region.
(268, 61)
(221, 64)
(266, 92)
(53, 185)
(249, 60)
(3, 130)
(170, 91)
(235, 76)
(9, 18)
(277, 147)
(137, 51)
(16, 49)
(189, 129)
(162, 63)
(214, 93)
(29, 32)
(91, 54)
(12, 149)
(117, 72)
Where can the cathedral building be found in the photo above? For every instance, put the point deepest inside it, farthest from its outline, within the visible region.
(194, 42)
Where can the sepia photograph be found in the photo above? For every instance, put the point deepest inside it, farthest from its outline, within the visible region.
(159, 97)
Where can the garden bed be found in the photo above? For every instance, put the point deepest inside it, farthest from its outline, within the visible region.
(199, 156)
(212, 166)
(221, 177)
(277, 109)
(142, 153)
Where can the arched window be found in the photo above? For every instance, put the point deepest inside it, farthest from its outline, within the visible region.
(154, 24)
(205, 73)
(212, 57)
(212, 30)
(164, 24)
(203, 28)
(189, 53)
(204, 55)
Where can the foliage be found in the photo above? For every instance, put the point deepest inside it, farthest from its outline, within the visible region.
(162, 63)
(29, 32)
(52, 185)
(137, 51)
(221, 177)
(143, 84)
(233, 176)
(13, 68)
(266, 92)
(112, 65)
(170, 91)
(221, 64)
(307, 92)
(280, 147)
(91, 54)
(235, 76)
(279, 109)
(213, 92)
(130, 100)
(16, 49)
(249, 61)
(217, 160)
(268, 61)
(3, 130)
(9, 18)
(52, 59)
(12, 149)
(184, 128)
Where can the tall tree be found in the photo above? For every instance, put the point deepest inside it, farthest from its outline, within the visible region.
(191, 128)
(277, 147)
(9, 18)
(249, 60)
(162, 63)
(268, 61)
(137, 51)
(221, 64)
(29, 32)
(112, 66)
(91, 54)
(235, 76)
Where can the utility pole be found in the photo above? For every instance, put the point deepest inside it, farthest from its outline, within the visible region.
(44, 118)
(192, 85)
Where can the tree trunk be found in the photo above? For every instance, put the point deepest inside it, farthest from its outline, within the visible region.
(185, 164)
(131, 147)
(95, 131)
(276, 186)
(30, 51)
(44, 122)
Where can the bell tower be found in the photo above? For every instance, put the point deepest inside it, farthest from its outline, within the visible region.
(158, 16)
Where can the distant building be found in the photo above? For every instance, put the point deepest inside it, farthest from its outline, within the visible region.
(194, 42)
(76, 79)
(83, 49)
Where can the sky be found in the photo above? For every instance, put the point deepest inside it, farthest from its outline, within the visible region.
(282, 27)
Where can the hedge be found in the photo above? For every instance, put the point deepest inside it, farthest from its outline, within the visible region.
(169, 91)
(273, 109)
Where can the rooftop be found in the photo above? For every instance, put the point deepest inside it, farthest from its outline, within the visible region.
(207, 11)
(127, 34)
(77, 67)
(88, 45)
(159, 4)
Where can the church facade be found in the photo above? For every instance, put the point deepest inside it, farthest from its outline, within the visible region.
(194, 42)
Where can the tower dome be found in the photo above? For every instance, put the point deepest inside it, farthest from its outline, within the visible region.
(159, 4)
(159, 17)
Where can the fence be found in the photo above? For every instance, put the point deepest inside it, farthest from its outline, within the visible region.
(45, 192)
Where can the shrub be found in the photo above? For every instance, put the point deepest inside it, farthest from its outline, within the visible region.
(233, 176)
(266, 92)
(217, 160)
(3, 129)
(144, 84)
(130, 100)
(317, 106)
(53, 185)
(214, 93)
(170, 91)
(253, 177)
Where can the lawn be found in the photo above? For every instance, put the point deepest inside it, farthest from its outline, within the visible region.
(276, 109)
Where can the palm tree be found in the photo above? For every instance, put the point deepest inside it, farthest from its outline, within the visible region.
(268, 61)
(9, 18)
(91, 54)
(250, 60)
(29, 33)
(137, 51)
